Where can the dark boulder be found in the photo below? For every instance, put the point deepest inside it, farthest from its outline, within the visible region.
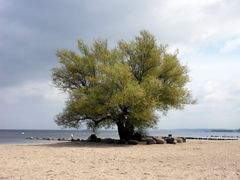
(121, 141)
(159, 140)
(150, 141)
(92, 138)
(137, 136)
(132, 142)
(171, 140)
(108, 140)
(98, 140)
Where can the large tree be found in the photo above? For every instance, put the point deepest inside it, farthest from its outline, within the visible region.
(123, 86)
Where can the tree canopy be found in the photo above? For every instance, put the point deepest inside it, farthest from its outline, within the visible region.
(122, 86)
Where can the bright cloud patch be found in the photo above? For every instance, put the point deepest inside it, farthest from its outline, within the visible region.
(231, 45)
(41, 90)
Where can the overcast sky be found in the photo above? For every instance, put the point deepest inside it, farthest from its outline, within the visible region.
(206, 32)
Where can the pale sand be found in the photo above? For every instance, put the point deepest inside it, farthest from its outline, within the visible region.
(192, 160)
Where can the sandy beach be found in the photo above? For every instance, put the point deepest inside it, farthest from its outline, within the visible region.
(191, 160)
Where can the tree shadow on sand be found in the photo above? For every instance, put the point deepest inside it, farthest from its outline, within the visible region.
(82, 144)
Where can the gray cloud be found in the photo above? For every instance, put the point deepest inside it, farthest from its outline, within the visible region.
(31, 31)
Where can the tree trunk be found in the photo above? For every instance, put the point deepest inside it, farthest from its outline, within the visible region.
(125, 131)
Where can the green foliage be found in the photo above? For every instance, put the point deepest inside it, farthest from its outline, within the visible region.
(123, 85)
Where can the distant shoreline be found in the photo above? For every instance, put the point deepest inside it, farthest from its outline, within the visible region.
(225, 130)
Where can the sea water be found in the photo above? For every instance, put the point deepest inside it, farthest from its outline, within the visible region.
(22, 136)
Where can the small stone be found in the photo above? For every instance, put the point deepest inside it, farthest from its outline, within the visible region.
(184, 139)
(179, 140)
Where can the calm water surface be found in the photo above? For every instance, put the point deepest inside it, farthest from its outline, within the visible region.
(19, 136)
